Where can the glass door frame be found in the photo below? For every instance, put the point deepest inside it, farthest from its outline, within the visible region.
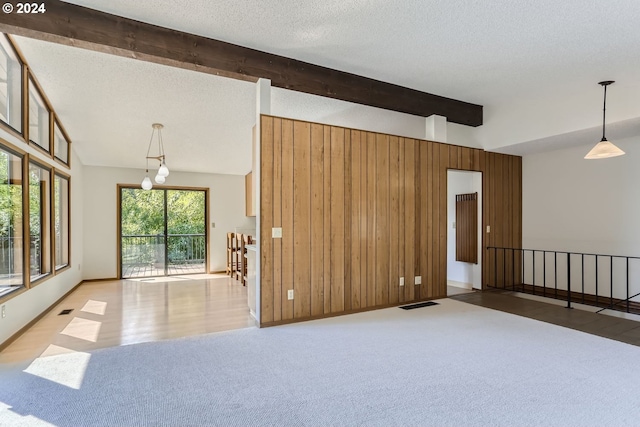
(164, 188)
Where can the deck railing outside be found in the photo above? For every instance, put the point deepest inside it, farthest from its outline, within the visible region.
(11, 256)
(149, 251)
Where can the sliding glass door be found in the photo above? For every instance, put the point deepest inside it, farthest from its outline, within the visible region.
(162, 232)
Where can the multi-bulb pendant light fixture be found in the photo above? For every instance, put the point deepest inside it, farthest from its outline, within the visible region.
(163, 170)
(604, 148)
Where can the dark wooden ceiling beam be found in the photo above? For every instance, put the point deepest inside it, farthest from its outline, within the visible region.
(79, 26)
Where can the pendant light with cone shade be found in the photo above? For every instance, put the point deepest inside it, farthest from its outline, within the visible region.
(604, 148)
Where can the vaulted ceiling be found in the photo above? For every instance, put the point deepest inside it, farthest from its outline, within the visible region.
(534, 66)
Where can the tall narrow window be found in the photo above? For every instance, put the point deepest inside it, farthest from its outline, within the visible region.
(60, 144)
(10, 85)
(39, 220)
(38, 118)
(61, 220)
(11, 244)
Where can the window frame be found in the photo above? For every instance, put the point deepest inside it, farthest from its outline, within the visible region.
(31, 80)
(48, 209)
(56, 123)
(10, 148)
(9, 45)
(58, 269)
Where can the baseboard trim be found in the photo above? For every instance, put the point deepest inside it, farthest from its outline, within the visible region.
(461, 285)
(22, 330)
(343, 313)
(101, 280)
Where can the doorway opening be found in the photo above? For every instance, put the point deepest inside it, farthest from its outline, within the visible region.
(162, 231)
(464, 231)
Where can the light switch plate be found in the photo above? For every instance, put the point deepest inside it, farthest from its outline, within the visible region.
(402, 281)
(276, 232)
(290, 294)
(418, 280)
(454, 224)
(488, 229)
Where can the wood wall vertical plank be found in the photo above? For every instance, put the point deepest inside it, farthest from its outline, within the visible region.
(301, 219)
(428, 274)
(425, 289)
(409, 218)
(266, 214)
(287, 217)
(441, 289)
(452, 158)
(419, 223)
(382, 219)
(482, 161)
(435, 211)
(356, 244)
(277, 219)
(327, 219)
(394, 208)
(347, 184)
(364, 219)
(402, 291)
(474, 159)
(337, 219)
(317, 220)
(371, 219)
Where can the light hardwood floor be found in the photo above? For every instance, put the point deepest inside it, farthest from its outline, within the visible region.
(121, 312)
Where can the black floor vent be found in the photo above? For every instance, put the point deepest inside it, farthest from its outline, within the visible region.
(65, 312)
(418, 305)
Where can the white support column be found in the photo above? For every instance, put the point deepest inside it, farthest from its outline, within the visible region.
(436, 128)
(263, 96)
(263, 106)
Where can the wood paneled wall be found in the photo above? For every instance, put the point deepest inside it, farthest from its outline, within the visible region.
(359, 210)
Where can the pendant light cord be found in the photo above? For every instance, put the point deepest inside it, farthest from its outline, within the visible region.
(604, 112)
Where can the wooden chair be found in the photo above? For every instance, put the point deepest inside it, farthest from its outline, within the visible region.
(246, 240)
(237, 256)
(231, 237)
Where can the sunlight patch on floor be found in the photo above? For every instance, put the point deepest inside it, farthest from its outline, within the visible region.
(65, 369)
(95, 307)
(83, 329)
(54, 350)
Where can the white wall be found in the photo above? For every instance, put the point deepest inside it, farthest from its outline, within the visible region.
(28, 305)
(226, 210)
(569, 203)
(461, 182)
(302, 106)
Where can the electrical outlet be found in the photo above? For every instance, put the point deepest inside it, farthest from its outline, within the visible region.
(213, 225)
(402, 281)
(418, 280)
(276, 233)
(4, 312)
(290, 294)
(488, 229)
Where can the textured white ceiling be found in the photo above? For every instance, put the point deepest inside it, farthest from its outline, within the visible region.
(533, 65)
(107, 104)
